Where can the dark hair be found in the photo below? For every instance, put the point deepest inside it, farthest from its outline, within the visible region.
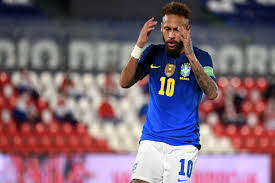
(176, 8)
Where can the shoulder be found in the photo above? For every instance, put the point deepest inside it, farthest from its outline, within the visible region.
(203, 56)
(200, 52)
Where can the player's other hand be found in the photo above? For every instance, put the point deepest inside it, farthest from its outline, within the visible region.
(148, 27)
(186, 39)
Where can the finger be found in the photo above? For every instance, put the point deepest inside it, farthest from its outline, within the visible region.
(182, 38)
(181, 29)
(150, 29)
(152, 24)
(182, 32)
(189, 31)
(151, 19)
(148, 21)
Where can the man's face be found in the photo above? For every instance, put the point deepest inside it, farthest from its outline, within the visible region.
(171, 34)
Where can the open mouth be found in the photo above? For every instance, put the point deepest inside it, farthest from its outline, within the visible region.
(171, 43)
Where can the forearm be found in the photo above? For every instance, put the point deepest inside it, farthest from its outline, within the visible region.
(206, 83)
(128, 75)
(132, 72)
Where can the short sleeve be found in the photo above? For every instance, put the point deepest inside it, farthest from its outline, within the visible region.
(146, 60)
(207, 64)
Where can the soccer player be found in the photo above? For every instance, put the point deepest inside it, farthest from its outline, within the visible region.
(178, 75)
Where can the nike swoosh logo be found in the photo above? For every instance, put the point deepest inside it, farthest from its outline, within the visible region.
(179, 180)
(154, 67)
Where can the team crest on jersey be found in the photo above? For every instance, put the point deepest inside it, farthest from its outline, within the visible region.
(185, 71)
(169, 69)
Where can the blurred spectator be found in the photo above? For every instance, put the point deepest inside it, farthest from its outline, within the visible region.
(69, 88)
(106, 111)
(144, 84)
(33, 113)
(270, 92)
(232, 107)
(269, 113)
(63, 113)
(111, 86)
(26, 110)
(27, 85)
(26, 104)
(66, 84)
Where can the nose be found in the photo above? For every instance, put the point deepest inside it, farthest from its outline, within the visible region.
(171, 35)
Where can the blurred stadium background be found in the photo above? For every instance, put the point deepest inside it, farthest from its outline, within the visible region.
(64, 118)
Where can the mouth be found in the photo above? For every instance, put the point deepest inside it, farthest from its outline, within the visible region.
(171, 44)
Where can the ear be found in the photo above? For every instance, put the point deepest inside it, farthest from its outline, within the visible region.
(161, 27)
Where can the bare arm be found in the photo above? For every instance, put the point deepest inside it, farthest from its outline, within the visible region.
(131, 73)
(205, 82)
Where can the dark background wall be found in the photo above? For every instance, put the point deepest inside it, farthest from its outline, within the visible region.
(128, 9)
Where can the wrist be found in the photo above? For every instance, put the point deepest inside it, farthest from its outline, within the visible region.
(191, 56)
(137, 51)
(140, 44)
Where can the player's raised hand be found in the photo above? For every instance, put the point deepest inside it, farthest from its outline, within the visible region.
(186, 39)
(148, 27)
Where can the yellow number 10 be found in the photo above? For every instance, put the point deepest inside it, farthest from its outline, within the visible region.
(170, 86)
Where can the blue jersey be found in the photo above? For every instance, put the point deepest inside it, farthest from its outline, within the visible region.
(173, 112)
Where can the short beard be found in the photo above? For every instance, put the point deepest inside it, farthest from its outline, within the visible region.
(176, 52)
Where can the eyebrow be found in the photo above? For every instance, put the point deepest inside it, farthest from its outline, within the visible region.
(176, 28)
